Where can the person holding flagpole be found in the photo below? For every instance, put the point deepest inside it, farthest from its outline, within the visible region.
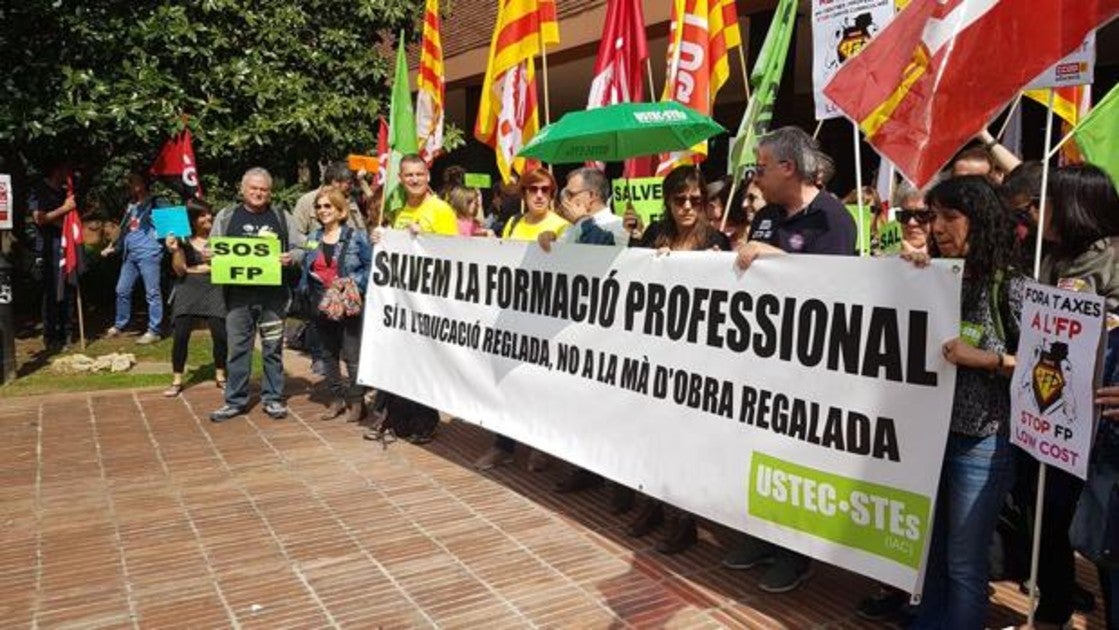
(48, 202)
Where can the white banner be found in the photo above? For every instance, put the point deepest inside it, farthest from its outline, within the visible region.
(1078, 68)
(1051, 408)
(840, 28)
(805, 401)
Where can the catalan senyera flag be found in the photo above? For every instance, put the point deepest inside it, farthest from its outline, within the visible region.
(913, 89)
(689, 72)
(724, 35)
(1066, 101)
(431, 90)
(507, 115)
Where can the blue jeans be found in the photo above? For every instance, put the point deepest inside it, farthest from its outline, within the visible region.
(977, 474)
(147, 268)
(241, 323)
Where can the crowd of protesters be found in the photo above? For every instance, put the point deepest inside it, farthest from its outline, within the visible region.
(984, 209)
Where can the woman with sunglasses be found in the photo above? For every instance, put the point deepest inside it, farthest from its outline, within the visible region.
(682, 227)
(335, 252)
(913, 217)
(970, 222)
(538, 188)
(1081, 230)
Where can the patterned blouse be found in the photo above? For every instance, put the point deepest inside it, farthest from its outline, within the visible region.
(982, 401)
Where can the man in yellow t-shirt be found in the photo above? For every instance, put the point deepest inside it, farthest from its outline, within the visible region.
(422, 208)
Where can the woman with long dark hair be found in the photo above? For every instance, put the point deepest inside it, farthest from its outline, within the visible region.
(682, 227)
(194, 297)
(1081, 229)
(971, 223)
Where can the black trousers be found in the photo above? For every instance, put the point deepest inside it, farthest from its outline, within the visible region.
(184, 324)
(340, 342)
(1056, 566)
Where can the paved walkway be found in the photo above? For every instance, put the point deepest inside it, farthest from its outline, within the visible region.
(126, 509)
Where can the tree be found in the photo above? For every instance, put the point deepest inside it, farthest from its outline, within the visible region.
(260, 83)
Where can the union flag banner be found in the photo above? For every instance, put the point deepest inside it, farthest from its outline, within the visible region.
(927, 84)
(689, 72)
(431, 92)
(507, 115)
(617, 68)
(176, 160)
(70, 260)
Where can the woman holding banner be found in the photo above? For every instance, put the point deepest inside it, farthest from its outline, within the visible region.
(970, 222)
(194, 297)
(682, 227)
(337, 256)
(538, 189)
(1082, 230)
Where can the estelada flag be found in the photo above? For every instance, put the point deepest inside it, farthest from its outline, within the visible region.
(930, 80)
(176, 159)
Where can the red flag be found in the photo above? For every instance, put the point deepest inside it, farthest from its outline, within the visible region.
(176, 159)
(618, 68)
(928, 82)
(382, 150)
(70, 262)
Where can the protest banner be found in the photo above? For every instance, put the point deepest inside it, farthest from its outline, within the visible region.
(5, 201)
(367, 163)
(889, 238)
(478, 180)
(839, 30)
(241, 260)
(645, 195)
(811, 413)
(1052, 415)
(171, 220)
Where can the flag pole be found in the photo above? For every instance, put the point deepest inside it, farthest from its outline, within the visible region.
(858, 184)
(1061, 142)
(81, 317)
(652, 86)
(726, 208)
(544, 66)
(745, 75)
(1039, 505)
(1009, 116)
(820, 125)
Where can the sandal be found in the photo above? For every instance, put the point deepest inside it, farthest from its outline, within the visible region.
(174, 390)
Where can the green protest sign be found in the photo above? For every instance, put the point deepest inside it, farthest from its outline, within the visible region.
(238, 260)
(478, 180)
(889, 238)
(864, 233)
(645, 195)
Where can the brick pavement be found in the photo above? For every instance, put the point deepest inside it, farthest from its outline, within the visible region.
(126, 509)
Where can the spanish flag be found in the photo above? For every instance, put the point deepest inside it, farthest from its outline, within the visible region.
(926, 84)
(431, 92)
(507, 115)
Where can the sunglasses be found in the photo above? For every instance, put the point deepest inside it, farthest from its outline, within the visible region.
(534, 190)
(920, 216)
(695, 200)
(320, 206)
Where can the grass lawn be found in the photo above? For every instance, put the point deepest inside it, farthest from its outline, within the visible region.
(153, 367)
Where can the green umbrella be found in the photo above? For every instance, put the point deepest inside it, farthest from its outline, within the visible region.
(617, 132)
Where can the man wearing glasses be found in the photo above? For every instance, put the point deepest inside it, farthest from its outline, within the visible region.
(798, 218)
(588, 193)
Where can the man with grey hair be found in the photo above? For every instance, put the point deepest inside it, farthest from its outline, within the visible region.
(799, 218)
(337, 175)
(588, 192)
(256, 307)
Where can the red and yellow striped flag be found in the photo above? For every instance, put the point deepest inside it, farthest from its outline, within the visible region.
(689, 72)
(1066, 101)
(722, 26)
(507, 115)
(431, 92)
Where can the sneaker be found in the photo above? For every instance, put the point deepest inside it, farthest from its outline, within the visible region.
(147, 338)
(112, 332)
(493, 458)
(785, 574)
(749, 553)
(884, 604)
(226, 412)
(275, 410)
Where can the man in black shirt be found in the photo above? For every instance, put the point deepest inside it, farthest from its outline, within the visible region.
(252, 307)
(798, 218)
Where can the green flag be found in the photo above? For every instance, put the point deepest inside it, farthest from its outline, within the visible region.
(402, 131)
(764, 81)
(1098, 135)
